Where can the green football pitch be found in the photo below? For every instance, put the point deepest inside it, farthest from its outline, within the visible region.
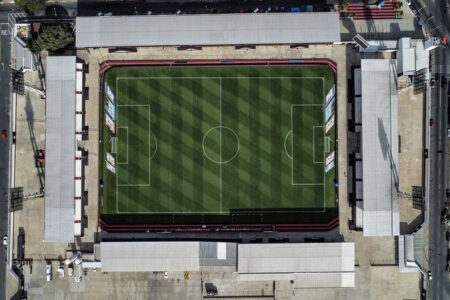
(208, 144)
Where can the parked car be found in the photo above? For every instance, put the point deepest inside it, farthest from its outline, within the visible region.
(70, 270)
(61, 270)
(5, 240)
(431, 122)
(432, 82)
(48, 271)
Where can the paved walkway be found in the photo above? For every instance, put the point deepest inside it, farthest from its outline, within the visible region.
(382, 29)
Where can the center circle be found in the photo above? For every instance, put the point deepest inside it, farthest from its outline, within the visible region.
(220, 144)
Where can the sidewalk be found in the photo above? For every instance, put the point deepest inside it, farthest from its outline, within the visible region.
(391, 29)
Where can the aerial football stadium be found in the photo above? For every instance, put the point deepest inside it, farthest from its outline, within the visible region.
(242, 146)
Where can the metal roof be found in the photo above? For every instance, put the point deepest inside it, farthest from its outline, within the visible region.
(167, 256)
(60, 149)
(406, 57)
(422, 55)
(23, 57)
(214, 29)
(296, 258)
(379, 147)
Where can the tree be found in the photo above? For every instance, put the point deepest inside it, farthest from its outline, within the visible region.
(345, 5)
(31, 5)
(52, 37)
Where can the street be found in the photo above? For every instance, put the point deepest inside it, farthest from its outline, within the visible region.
(435, 15)
(4, 144)
(439, 287)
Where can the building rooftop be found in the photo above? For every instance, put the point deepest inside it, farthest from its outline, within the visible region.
(296, 258)
(214, 29)
(167, 256)
(60, 149)
(379, 147)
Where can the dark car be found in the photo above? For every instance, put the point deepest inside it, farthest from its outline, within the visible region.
(431, 122)
(443, 81)
(447, 193)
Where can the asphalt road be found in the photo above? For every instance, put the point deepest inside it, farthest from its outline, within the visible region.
(4, 144)
(439, 286)
(435, 13)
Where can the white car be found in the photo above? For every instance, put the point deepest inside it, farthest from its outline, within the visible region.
(48, 271)
(70, 271)
(430, 275)
(5, 240)
(61, 271)
(78, 260)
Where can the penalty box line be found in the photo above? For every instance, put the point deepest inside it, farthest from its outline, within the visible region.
(292, 150)
(292, 146)
(149, 148)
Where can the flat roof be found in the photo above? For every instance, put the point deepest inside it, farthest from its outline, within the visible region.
(167, 256)
(296, 258)
(379, 147)
(60, 149)
(406, 57)
(208, 29)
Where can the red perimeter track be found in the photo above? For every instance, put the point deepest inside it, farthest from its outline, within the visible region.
(216, 227)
